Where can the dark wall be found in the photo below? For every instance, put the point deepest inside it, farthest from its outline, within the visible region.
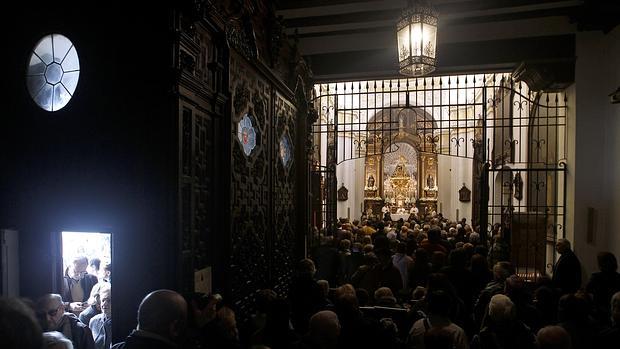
(105, 162)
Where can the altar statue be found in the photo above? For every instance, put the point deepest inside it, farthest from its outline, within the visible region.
(430, 181)
(371, 182)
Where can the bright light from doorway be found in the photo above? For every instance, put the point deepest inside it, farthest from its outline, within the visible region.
(89, 244)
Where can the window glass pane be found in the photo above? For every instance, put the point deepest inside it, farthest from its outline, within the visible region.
(36, 66)
(71, 61)
(61, 97)
(44, 49)
(53, 72)
(61, 46)
(44, 98)
(70, 81)
(35, 83)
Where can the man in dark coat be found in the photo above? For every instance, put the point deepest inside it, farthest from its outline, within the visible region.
(52, 312)
(77, 284)
(567, 270)
(305, 295)
(162, 319)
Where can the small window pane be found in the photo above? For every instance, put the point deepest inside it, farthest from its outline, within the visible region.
(44, 97)
(71, 61)
(44, 49)
(35, 83)
(36, 66)
(61, 47)
(61, 97)
(70, 81)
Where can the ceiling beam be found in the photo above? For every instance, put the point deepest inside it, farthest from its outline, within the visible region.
(452, 57)
(450, 12)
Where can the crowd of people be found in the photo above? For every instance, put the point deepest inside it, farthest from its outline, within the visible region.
(426, 283)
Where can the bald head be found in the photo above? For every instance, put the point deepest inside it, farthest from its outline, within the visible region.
(325, 327)
(163, 312)
(553, 337)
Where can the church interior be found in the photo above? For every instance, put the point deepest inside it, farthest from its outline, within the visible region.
(220, 149)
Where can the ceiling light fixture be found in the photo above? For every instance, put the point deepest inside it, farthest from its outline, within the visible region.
(416, 33)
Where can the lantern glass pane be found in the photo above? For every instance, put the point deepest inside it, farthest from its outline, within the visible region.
(429, 35)
(416, 39)
(403, 43)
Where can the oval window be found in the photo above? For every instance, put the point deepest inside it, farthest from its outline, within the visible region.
(53, 72)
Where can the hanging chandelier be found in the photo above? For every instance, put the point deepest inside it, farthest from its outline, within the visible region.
(416, 32)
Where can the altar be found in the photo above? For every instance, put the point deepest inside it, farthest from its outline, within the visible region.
(397, 216)
(392, 181)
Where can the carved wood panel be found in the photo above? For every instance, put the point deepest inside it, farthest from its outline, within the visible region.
(262, 190)
(201, 54)
(282, 256)
(250, 196)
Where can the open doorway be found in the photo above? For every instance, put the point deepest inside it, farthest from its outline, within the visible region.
(87, 274)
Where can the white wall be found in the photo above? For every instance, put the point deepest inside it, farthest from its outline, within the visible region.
(351, 173)
(453, 172)
(594, 177)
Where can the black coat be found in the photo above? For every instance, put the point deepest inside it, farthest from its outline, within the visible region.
(567, 273)
(81, 336)
(136, 340)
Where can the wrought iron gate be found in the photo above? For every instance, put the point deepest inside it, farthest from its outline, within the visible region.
(514, 138)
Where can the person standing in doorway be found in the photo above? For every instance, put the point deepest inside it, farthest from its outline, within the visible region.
(77, 284)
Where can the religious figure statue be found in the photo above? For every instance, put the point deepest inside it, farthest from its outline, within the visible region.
(518, 184)
(371, 181)
(430, 181)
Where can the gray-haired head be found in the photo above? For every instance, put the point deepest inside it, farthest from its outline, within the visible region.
(562, 246)
(553, 337)
(55, 339)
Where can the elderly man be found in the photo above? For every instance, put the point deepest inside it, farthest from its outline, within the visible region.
(567, 270)
(51, 308)
(553, 337)
(161, 321)
(77, 284)
(101, 324)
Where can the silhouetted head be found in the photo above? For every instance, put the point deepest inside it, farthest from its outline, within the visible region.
(553, 337)
(163, 312)
(562, 246)
(18, 326)
(607, 262)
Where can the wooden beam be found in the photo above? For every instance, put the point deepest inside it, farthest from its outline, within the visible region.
(452, 57)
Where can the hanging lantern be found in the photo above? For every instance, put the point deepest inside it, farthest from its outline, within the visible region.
(417, 39)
